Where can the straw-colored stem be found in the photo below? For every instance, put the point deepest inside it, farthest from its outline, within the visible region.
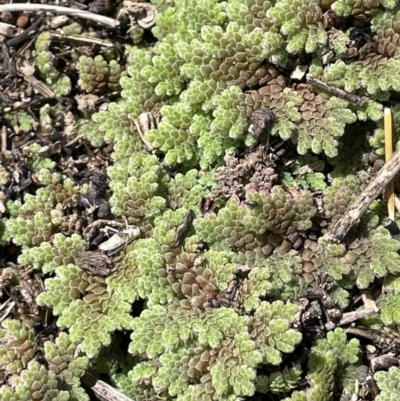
(388, 155)
(73, 12)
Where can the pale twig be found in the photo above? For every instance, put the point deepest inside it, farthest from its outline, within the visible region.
(3, 140)
(72, 12)
(102, 390)
(8, 309)
(82, 40)
(39, 86)
(79, 137)
(149, 147)
(351, 317)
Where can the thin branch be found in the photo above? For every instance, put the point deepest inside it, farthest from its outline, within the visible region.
(60, 10)
(25, 35)
(361, 332)
(351, 317)
(8, 309)
(102, 390)
(149, 147)
(336, 91)
(361, 204)
(71, 142)
(3, 137)
(81, 39)
(39, 86)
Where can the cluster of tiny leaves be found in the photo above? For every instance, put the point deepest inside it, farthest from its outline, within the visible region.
(255, 231)
(200, 69)
(18, 346)
(215, 64)
(306, 172)
(59, 83)
(37, 218)
(97, 75)
(361, 261)
(280, 382)
(217, 349)
(86, 307)
(388, 382)
(328, 360)
(58, 379)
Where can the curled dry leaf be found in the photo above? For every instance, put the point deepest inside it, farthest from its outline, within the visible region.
(144, 123)
(183, 231)
(261, 120)
(95, 262)
(144, 13)
(119, 240)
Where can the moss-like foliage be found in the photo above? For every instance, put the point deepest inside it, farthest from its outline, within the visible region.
(96, 75)
(328, 362)
(58, 378)
(86, 307)
(37, 218)
(224, 348)
(207, 296)
(388, 384)
(59, 83)
(18, 347)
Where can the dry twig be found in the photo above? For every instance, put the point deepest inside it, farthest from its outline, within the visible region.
(336, 91)
(25, 35)
(60, 10)
(39, 86)
(82, 40)
(146, 143)
(3, 137)
(361, 204)
(183, 231)
(102, 390)
(351, 317)
(8, 307)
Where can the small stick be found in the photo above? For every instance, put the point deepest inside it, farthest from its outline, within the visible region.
(351, 317)
(388, 155)
(373, 387)
(370, 193)
(348, 318)
(369, 334)
(3, 139)
(81, 39)
(40, 86)
(25, 35)
(8, 309)
(12, 8)
(102, 390)
(148, 146)
(369, 303)
(183, 231)
(72, 141)
(336, 91)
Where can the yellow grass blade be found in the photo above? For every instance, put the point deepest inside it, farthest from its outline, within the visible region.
(388, 155)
